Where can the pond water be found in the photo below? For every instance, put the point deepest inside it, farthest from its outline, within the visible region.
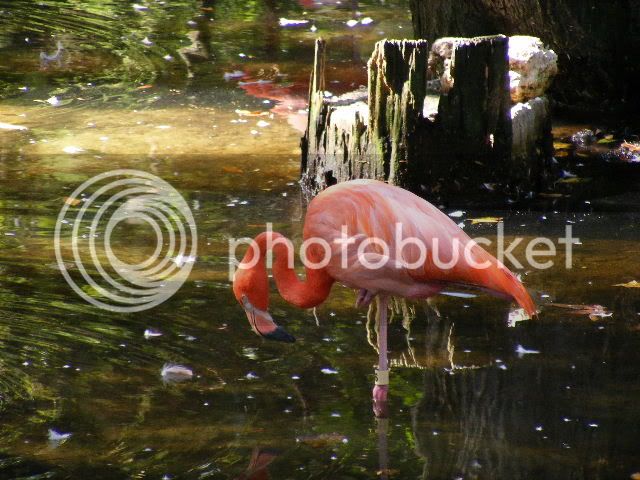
(210, 96)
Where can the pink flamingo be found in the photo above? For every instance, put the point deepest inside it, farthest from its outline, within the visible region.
(362, 210)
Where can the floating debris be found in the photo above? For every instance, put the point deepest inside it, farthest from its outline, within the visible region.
(72, 149)
(475, 221)
(329, 371)
(235, 74)
(150, 333)
(173, 373)
(53, 101)
(366, 21)
(10, 126)
(631, 284)
(352, 23)
(517, 315)
(456, 214)
(286, 22)
(521, 351)
(594, 312)
(139, 8)
(146, 41)
(57, 438)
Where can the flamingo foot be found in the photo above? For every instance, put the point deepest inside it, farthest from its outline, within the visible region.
(365, 297)
(380, 404)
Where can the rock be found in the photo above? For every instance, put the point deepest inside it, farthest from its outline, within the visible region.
(531, 127)
(583, 138)
(625, 153)
(532, 67)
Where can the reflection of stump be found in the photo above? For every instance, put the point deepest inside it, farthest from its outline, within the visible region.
(395, 133)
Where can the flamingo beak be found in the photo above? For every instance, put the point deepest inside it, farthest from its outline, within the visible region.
(262, 323)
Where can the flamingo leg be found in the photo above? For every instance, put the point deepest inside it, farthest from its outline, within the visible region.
(381, 388)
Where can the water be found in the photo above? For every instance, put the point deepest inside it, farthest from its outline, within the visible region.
(466, 401)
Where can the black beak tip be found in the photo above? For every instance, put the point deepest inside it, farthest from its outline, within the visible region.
(281, 335)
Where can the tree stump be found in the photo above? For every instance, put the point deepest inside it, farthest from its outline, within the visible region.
(391, 132)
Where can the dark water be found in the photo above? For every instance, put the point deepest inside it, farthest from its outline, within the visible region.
(464, 402)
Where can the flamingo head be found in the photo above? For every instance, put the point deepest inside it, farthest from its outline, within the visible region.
(251, 289)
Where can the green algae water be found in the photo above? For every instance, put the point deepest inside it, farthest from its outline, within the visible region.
(211, 97)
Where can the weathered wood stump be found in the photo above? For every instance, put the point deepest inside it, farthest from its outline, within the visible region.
(394, 132)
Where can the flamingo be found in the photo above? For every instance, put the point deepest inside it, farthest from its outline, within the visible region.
(364, 210)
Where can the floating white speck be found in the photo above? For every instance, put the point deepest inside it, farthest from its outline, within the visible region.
(168, 58)
(313, 28)
(53, 101)
(521, 351)
(539, 428)
(593, 425)
(262, 124)
(517, 315)
(285, 22)
(72, 149)
(150, 333)
(181, 260)
(10, 126)
(251, 376)
(456, 214)
(366, 21)
(254, 132)
(146, 41)
(175, 373)
(23, 89)
(58, 437)
(242, 55)
(231, 75)
(329, 371)
(139, 8)
(164, 127)
(352, 23)
(295, 377)
(104, 139)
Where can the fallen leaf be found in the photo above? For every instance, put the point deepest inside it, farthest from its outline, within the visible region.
(232, 170)
(475, 221)
(550, 195)
(248, 113)
(631, 284)
(633, 147)
(574, 180)
(144, 87)
(71, 201)
(562, 146)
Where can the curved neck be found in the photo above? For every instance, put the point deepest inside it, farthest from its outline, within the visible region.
(306, 293)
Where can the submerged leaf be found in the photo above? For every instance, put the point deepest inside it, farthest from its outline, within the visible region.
(631, 284)
(71, 201)
(594, 312)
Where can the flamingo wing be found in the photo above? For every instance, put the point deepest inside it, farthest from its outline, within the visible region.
(362, 210)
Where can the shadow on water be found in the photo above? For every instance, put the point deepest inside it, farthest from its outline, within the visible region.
(211, 96)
